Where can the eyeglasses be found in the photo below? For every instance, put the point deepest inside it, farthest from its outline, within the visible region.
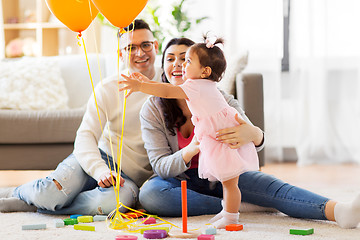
(146, 46)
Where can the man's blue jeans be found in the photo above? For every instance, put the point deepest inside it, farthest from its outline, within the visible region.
(80, 193)
(163, 196)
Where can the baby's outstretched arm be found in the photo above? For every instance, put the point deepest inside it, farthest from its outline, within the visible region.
(137, 82)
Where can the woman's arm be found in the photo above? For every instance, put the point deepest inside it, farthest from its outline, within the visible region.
(162, 148)
(244, 133)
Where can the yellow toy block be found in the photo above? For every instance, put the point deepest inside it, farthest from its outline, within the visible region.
(84, 227)
(85, 219)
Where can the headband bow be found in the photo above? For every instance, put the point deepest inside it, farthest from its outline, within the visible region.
(210, 43)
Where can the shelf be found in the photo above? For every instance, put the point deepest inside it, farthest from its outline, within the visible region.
(10, 26)
(24, 19)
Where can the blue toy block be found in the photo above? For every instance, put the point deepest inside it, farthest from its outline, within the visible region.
(34, 226)
(59, 223)
(75, 216)
(210, 231)
(97, 218)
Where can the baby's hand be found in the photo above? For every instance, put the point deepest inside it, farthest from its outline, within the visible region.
(140, 77)
(132, 83)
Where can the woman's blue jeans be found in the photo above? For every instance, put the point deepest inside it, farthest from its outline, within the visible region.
(163, 196)
(80, 193)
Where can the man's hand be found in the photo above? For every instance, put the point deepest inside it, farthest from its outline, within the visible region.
(109, 179)
(240, 135)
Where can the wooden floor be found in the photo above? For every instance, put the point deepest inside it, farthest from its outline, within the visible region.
(315, 175)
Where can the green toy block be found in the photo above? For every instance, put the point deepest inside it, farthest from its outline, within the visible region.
(84, 227)
(302, 231)
(70, 221)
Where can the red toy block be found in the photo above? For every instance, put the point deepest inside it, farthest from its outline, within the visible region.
(206, 237)
(234, 227)
(126, 237)
(149, 220)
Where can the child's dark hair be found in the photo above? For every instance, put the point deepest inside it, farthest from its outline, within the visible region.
(211, 56)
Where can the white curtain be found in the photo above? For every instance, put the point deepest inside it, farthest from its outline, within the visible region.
(315, 106)
(2, 39)
(254, 27)
(325, 62)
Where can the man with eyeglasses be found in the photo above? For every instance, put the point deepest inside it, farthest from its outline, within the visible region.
(82, 183)
(142, 48)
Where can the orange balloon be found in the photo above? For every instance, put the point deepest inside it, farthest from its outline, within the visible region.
(75, 14)
(120, 13)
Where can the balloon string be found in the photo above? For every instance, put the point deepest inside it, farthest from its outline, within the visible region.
(79, 37)
(98, 62)
(92, 82)
(96, 48)
(123, 115)
(118, 216)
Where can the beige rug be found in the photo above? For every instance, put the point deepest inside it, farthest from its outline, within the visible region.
(257, 226)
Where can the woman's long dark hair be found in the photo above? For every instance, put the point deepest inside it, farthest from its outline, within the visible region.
(174, 117)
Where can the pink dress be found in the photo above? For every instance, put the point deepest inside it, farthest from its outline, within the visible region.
(211, 112)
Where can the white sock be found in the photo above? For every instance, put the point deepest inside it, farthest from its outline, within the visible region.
(217, 216)
(227, 219)
(347, 215)
(14, 204)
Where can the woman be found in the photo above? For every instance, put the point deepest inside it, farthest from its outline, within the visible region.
(167, 132)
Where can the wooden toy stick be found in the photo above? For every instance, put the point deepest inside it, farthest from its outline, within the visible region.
(184, 205)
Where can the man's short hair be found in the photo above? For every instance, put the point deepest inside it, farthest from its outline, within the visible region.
(138, 24)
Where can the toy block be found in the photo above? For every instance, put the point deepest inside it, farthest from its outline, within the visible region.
(59, 223)
(210, 231)
(85, 219)
(206, 237)
(98, 218)
(155, 234)
(142, 230)
(34, 226)
(302, 231)
(234, 227)
(84, 227)
(75, 216)
(70, 221)
(149, 220)
(126, 237)
(178, 233)
(134, 214)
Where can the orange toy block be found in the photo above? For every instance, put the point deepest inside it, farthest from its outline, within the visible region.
(234, 227)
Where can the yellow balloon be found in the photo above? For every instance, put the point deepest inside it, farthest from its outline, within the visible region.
(120, 13)
(75, 14)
